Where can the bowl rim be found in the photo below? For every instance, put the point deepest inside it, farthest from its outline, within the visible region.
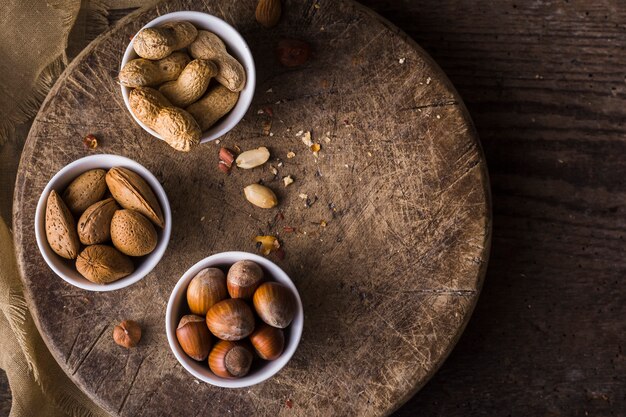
(104, 161)
(267, 372)
(243, 53)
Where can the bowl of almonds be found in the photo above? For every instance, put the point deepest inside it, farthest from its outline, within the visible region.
(187, 78)
(234, 319)
(103, 222)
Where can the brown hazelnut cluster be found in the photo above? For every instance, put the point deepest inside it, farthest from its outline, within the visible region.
(235, 317)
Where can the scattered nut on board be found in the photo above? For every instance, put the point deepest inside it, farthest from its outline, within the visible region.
(268, 12)
(127, 334)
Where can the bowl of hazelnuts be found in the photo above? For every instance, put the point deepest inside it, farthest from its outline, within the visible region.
(234, 319)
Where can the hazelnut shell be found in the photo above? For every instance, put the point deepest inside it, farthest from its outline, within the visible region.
(230, 319)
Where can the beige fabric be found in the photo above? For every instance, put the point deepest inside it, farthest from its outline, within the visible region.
(34, 39)
(37, 40)
(38, 386)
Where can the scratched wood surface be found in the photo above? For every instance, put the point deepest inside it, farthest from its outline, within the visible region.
(388, 285)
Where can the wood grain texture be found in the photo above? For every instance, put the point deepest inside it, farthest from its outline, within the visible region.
(545, 84)
(387, 286)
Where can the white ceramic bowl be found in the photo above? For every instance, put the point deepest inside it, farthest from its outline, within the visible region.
(261, 370)
(235, 45)
(65, 268)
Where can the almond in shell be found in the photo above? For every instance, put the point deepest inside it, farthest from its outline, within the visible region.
(94, 226)
(86, 189)
(133, 192)
(132, 233)
(60, 228)
(103, 264)
(268, 12)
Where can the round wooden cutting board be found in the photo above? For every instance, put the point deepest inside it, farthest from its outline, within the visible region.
(390, 247)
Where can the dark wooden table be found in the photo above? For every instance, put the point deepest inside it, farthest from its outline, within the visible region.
(545, 82)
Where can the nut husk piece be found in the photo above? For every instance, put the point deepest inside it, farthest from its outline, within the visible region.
(94, 226)
(60, 228)
(133, 192)
(103, 264)
(132, 233)
(86, 189)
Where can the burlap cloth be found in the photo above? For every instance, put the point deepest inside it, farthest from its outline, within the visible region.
(38, 38)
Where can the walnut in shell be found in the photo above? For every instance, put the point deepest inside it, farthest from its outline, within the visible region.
(94, 226)
(103, 264)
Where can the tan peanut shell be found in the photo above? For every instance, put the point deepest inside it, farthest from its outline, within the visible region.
(209, 46)
(159, 42)
(268, 12)
(133, 192)
(85, 190)
(94, 225)
(146, 73)
(215, 104)
(191, 84)
(103, 264)
(60, 228)
(177, 127)
(132, 233)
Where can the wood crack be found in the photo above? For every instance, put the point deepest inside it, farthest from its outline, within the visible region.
(130, 386)
(89, 351)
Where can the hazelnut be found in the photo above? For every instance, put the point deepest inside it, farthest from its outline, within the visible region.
(275, 304)
(243, 279)
(127, 334)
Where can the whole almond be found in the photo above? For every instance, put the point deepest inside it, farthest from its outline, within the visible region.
(268, 12)
(260, 196)
(86, 189)
(94, 226)
(133, 192)
(132, 233)
(103, 264)
(253, 158)
(60, 228)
